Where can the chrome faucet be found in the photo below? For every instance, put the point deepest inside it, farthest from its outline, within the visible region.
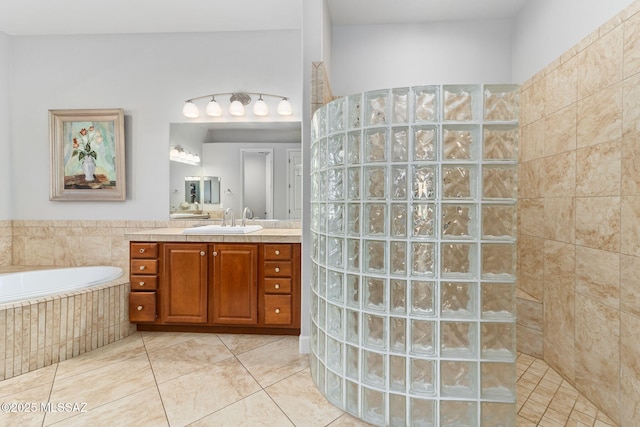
(245, 215)
(233, 217)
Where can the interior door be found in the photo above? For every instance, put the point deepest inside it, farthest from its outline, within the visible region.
(294, 184)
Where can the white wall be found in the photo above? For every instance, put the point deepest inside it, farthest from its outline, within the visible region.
(150, 76)
(368, 57)
(5, 129)
(545, 29)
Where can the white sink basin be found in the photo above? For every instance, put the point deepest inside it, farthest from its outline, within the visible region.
(219, 229)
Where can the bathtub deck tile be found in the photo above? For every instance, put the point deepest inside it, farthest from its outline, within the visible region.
(3, 327)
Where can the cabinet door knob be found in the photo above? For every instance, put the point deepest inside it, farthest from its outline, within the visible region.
(277, 269)
(141, 251)
(277, 311)
(277, 252)
(139, 308)
(141, 283)
(142, 267)
(277, 286)
(214, 253)
(202, 253)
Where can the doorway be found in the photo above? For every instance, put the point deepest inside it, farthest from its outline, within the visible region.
(257, 181)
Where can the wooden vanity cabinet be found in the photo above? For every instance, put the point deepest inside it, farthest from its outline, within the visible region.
(143, 276)
(280, 276)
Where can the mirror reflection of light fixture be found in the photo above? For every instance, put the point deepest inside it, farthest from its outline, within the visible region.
(238, 100)
(178, 154)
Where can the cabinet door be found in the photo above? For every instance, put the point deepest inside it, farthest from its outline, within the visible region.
(234, 281)
(184, 283)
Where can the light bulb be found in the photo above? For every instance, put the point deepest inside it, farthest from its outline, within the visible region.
(174, 152)
(213, 108)
(284, 107)
(190, 110)
(196, 158)
(260, 108)
(236, 108)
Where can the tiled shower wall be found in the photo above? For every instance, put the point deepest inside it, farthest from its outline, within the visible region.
(579, 213)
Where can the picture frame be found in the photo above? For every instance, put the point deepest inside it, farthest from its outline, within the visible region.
(87, 155)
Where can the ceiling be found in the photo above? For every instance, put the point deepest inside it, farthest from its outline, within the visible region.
(47, 17)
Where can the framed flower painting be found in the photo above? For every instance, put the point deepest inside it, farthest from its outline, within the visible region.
(87, 155)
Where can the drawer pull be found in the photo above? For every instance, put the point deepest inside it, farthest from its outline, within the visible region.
(277, 252)
(142, 267)
(277, 269)
(277, 311)
(141, 251)
(277, 286)
(202, 253)
(214, 253)
(141, 283)
(139, 308)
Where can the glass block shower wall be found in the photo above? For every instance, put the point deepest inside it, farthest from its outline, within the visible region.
(413, 269)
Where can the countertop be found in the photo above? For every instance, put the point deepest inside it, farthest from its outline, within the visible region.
(266, 235)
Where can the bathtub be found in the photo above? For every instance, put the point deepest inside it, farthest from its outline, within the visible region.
(47, 316)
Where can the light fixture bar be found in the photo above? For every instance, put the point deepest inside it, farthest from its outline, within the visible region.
(237, 102)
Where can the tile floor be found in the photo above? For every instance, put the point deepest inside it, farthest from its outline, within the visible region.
(157, 379)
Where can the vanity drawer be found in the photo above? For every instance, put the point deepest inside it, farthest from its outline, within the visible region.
(144, 266)
(142, 307)
(277, 309)
(144, 250)
(277, 269)
(277, 251)
(143, 283)
(277, 286)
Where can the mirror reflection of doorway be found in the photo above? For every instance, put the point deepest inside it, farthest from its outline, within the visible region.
(257, 181)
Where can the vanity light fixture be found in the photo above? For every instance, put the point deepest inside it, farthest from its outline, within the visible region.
(178, 154)
(237, 100)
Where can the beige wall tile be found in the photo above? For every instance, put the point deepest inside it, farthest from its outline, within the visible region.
(631, 46)
(561, 86)
(531, 217)
(532, 141)
(629, 402)
(598, 222)
(560, 131)
(600, 117)
(630, 178)
(600, 64)
(560, 175)
(529, 341)
(630, 225)
(598, 170)
(531, 266)
(559, 351)
(560, 219)
(598, 275)
(631, 105)
(532, 102)
(530, 313)
(630, 284)
(531, 179)
(630, 344)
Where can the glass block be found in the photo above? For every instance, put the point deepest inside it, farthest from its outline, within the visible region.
(353, 147)
(425, 143)
(397, 334)
(498, 381)
(375, 256)
(498, 260)
(375, 293)
(460, 142)
(314, 307)
(321, 128)
(397, 410)
(322, 314)
(353, 326)
(373, 406)
(320, 375)
(353, 254)
(334, 354)
(498, 301)
(351, 397)
(375, 147)
(458, 339)
(375, 219)
(423, 337)
(353, 219)
(422, 259)
(355, 111)
(400, 105)
(423, 412)
(337, 115)
(423, 298)
(335, 256)
(353, 290)
(496, 414)
(322, 153)
(315, 157)
(315, 130)
(458, 260)
(458, 221)
(398, 219)
(458, 182)
(423, 220)
(314, 273)
(498, 341)
(426, 103)
(352, 362)
(322, 281)
(335, 184)
(353, 183)
(377, 104)
(499, 182)
(397, 373)
(335, 218)
(335, 286)
(322, 346)
(374, 368)
(458, 378)
(501, 102)
(334, 388)
(500, 142)
(398, 258)
(399, 182)
(374, 330)
(322, 189)
(498, 221)
(375, 182)
(400, 144)
(424, 182)
(458, 414)
(314, 246)
(458, 300)
(336, 150)
(461, 103)
(398, 300)
(423, 377)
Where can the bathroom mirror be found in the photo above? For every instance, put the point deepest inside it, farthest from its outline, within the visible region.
(229, 153)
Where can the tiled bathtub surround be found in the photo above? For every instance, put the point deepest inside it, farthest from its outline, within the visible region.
(579, 213)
